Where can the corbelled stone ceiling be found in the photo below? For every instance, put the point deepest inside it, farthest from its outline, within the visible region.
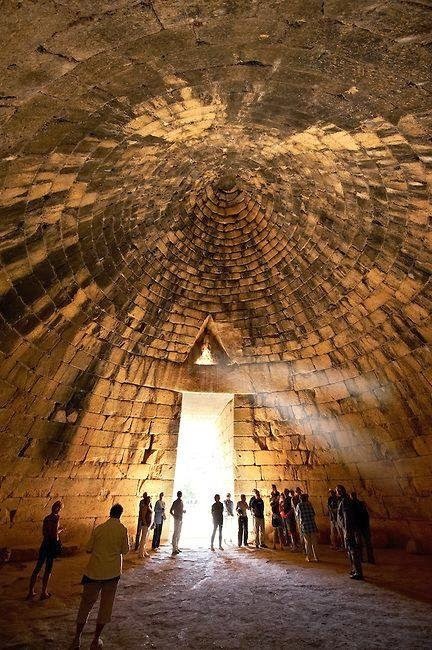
(267, 164)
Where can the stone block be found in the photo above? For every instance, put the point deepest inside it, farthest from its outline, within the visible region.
(245, 473)
(246, 443)
(272, 472)
(265, 457)
(244, 458)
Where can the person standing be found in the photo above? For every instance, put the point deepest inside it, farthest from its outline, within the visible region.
(284, 517)
(146, 517)
(49, 550)
(107, 546)
(217, 515)
(277, 523)
(308, 528)
(293, 520)
(177, 511)
(258, 512)
(229, 517)
(242, 508)
(274, 497)
(363, 533)
(288, 518)
(347, 520)
(251, 502)
(159, 518)
(332, 506)
(139, 522)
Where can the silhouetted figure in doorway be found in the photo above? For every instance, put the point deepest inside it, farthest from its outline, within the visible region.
(177, 511)
(49, 550)
(217, 515)
(107, 546)
(242, 508)
(159, 518)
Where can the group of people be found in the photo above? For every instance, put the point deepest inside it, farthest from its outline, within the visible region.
(149, 520)
(293, 523)
(292, 517)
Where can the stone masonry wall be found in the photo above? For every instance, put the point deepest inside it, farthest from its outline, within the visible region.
(90, 443)
(298, 438)
(265, 164)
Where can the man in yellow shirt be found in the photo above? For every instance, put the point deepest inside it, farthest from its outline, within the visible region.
(107, 545)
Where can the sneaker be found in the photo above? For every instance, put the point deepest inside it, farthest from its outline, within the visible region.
(356, 576)
(212, 548)
(264, 546)
(221, 548)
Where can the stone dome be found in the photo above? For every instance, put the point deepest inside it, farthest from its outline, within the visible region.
(261, 170)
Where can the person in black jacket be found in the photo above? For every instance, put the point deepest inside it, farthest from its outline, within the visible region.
(348, 522)
(257, 507)
(363, 532)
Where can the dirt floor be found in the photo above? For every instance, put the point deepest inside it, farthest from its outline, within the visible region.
(243, 598)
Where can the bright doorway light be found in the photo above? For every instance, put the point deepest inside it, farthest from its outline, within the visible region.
(205, 460)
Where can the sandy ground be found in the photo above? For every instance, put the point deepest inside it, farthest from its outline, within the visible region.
(233, 599)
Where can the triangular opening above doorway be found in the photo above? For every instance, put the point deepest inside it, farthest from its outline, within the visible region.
(208, 348)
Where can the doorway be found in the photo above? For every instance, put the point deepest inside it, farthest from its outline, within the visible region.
(205, 460)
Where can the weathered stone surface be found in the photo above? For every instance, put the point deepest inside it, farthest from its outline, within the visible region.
(169, 163)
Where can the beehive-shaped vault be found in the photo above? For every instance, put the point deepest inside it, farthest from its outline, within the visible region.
(267, 166)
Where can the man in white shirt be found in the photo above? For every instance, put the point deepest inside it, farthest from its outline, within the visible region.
(159, 518)
(107, 545)
(177, 511)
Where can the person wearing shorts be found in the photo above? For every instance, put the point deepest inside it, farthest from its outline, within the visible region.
(107, 546)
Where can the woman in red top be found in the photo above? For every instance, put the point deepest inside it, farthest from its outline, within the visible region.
(48, 551)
